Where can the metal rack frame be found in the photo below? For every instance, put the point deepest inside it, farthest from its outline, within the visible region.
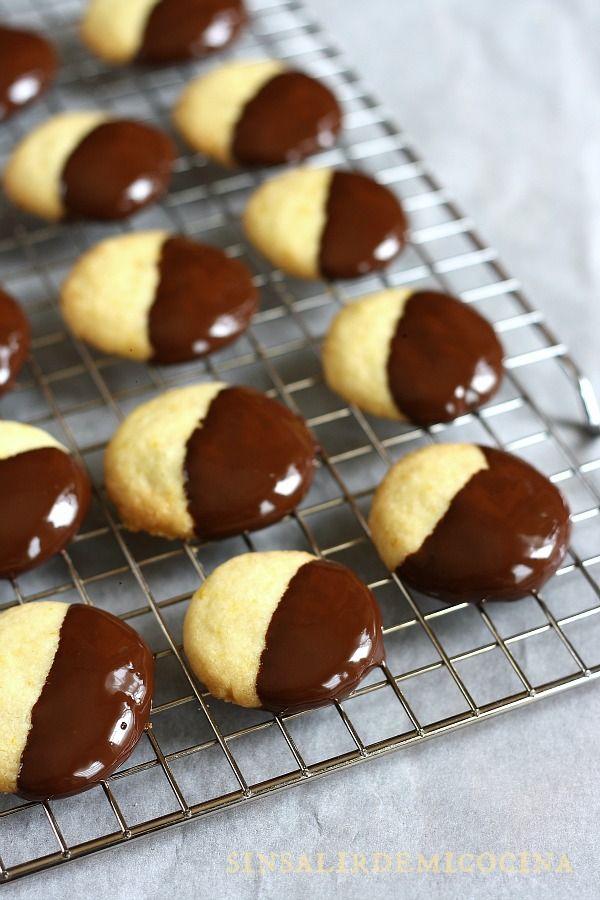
(434, 681)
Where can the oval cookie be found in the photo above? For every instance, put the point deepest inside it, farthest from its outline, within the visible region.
(417, 355)
(208, 461)
(14, 340)
(325, 223)
(468, 523)
(283, 631)
(75, 690)
(28, 66)
(184, 299)
(160, 31)
(87, 165)
(44, 495)
(258, 113)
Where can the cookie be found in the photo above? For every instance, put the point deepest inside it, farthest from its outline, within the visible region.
(184, 299)
(160, 31)
(468, 523)
(208, 461)
(75, 690)
(90, 166)
(14, 340)
(325, 223)
(417, 355)
(44, 495)
(258, 113)
(28, 65)
(282, 631)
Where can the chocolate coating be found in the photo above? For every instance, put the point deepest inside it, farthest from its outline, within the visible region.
(444, 359)
(44, 495)
(323, 637)
(289, 118)
(248, 465)
(504, 534)
(182, 29)
(365, 227)
(117, 169)
(14, 340)
(93, 707)
(28, 65)
(204, 300)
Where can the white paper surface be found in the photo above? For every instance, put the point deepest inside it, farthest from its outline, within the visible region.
(502, 99)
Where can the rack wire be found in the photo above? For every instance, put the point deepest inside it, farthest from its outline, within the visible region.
(446, 666)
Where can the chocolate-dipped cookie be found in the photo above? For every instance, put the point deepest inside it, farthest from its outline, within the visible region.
(417, 355)
(75, 691)
(28, 66)
(208, 461)
(87, 165)
(184, 299)
(468, 523)
(325, 223)
(44, 495)
(258, 113)
(282, 631)
(14, 340)
(160, 31)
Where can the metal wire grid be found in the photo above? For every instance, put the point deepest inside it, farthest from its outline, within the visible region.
(447, 667)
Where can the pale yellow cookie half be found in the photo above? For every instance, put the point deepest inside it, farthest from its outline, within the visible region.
(415, 495)
(285, 218)
(210, 106)
(32, 177)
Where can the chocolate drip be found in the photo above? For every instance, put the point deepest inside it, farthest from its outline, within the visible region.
(204, 300)
(323, 637)
(92, 709)
(182, 29)
(365, 227)
(504, 534)
(444, 359)
(28, 65)
(14, 340)
(247, 465)
(117, 169)
(289, 118)
(44, 495)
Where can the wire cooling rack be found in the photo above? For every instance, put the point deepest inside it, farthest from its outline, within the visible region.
(446, 667)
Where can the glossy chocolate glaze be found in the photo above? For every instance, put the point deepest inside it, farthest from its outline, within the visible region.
(289, 118)
(28, 65)
(504, 534)
(365, 227)
(182, 29)
(247, 465)
(14, 340)
(323, 637)
(117, 169)
(444, 359)
(204, 300)
(44, 495)
(92, 709)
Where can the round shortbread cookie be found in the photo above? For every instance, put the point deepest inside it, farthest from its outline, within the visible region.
(184, 299)
(14, 340)
(324, 223)
(469, 523)
(283, 631)
(160, 31)
(69, 716)
(89, 165)
(257, 113)
(208, 461)
(44, 495)
(28, 66)
(417, 355)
